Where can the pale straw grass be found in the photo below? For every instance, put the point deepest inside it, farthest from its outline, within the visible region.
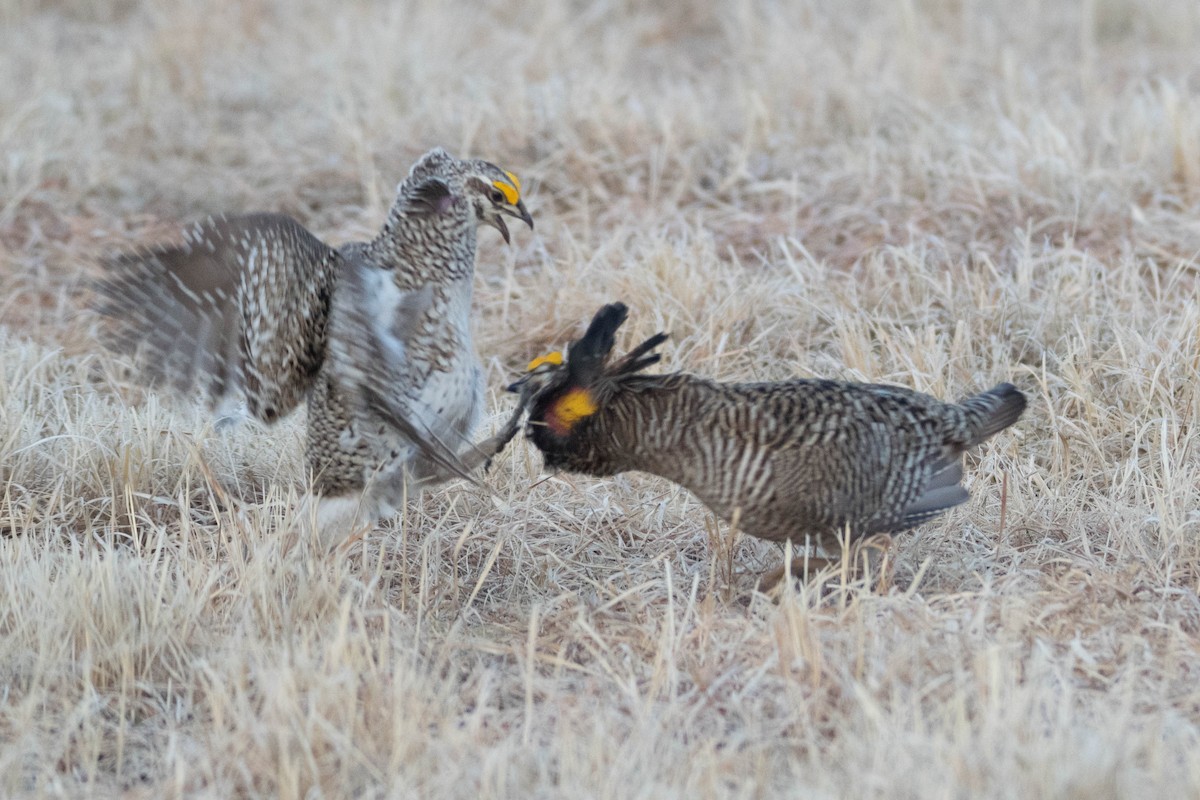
(939, 194)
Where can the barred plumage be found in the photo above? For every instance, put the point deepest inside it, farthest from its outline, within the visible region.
(375, 334)
(793, 459)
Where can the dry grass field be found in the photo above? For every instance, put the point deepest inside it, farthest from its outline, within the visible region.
(942, 194)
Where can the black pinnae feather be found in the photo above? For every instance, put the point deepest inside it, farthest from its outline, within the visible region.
(586, 357)
(640, 357)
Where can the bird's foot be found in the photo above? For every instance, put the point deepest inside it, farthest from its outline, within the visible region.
(331, 521)
(495, 445)
(867, 559)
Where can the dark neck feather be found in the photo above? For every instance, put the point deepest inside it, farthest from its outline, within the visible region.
(641, 425)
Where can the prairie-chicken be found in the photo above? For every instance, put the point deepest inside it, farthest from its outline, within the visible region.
(799, 460)
(376, 335)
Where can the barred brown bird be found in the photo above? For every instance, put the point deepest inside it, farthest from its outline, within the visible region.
(793, 459)
(375, 334)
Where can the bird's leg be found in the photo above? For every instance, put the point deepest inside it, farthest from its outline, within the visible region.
(332, 520)
(473, 456)
(486, 450)
(804, 567)
(864, 558)
(873, 560)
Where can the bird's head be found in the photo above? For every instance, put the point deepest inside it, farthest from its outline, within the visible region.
(540, 374)
(438, 182)
(495, 194)
(546, 386)
(560, 393)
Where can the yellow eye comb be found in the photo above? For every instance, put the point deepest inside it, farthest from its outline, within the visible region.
(512, 193)
(554, 358)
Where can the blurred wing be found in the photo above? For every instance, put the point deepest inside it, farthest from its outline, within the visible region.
(240, 307)
(374, 322)
(426, 441)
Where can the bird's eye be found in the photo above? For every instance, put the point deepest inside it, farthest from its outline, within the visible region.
(497, 196)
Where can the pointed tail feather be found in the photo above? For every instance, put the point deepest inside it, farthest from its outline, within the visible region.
(992, 411)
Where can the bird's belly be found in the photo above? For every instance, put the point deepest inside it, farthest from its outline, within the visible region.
(779, 494)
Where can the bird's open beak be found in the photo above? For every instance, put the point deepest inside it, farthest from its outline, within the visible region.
(519, 211)
(523, 215)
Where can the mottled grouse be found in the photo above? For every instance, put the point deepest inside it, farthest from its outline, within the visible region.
(794, 459)
(375, 334)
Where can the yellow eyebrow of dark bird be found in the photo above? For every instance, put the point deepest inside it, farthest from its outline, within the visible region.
(550, 358)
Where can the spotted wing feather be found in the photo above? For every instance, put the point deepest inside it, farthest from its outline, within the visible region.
(239, 308)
